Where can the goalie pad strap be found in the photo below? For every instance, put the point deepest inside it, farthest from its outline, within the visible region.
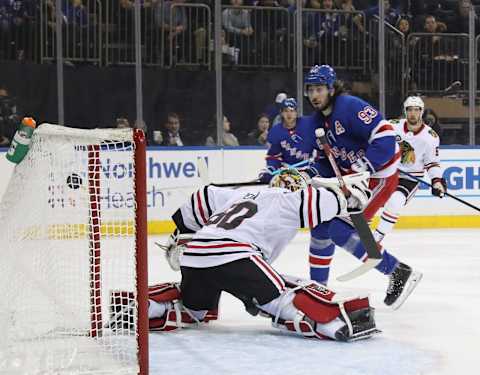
(166, 292)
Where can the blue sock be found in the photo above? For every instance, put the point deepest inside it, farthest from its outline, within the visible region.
(345, 236)
(321, 254)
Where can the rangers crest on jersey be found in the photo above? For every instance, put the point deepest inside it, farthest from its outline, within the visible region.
(408, 153)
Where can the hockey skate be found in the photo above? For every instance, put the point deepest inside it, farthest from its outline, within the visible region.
(403, 281)
(362, 326)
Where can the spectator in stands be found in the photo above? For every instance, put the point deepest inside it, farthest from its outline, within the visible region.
(122, 123)
(346, 5)
(238, 26)
(392, 15)
(258, 136)
(271, 30)
(75, 13)
(403, 25)
(459, 23)
(175, 32)
(322, 31)
(15, 25)
(171, 136)
(229, 139)
(9, 117)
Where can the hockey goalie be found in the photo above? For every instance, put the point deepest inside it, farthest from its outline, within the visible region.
(235, 236)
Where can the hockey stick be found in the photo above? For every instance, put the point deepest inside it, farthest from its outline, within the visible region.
(358, 220)
(446, 193)
(203, 173)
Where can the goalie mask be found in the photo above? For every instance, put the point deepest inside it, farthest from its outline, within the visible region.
(290, 179)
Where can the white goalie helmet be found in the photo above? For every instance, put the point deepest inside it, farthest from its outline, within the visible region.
(413, 101)
(290, 179)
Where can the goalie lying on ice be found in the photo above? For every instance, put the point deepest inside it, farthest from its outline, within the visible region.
(235, 236)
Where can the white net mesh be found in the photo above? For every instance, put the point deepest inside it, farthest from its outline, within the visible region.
(67, 224)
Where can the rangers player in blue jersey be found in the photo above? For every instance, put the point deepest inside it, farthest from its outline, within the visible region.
(289, 142)
(361, 140)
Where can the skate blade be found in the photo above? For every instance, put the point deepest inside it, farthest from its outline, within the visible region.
(412, 283)
(364, 335)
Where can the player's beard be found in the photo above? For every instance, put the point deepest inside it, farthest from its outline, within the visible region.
(322, 107)
(414, 124)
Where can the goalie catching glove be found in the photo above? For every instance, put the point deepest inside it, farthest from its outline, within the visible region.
(357, 185)
(174, 248)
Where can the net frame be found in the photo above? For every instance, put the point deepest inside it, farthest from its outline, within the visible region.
(93, 233)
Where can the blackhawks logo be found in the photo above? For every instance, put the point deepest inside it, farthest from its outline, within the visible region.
(408, 153)
(433, 133)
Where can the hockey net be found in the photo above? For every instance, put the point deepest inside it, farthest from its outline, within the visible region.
(73, 255)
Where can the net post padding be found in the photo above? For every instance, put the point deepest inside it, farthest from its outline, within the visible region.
(141, 248)
(94, 240)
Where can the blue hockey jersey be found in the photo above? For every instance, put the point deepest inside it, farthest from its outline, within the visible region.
(290, 146)
(357, 132)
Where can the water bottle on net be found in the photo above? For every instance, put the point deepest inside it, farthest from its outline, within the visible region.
(21, 140)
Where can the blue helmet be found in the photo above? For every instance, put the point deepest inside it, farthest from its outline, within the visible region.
(320, 75)
(288, 103)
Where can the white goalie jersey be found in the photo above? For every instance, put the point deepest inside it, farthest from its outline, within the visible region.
(420, 150)
(233, 224)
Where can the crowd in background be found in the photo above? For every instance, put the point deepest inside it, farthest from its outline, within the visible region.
(242, 36)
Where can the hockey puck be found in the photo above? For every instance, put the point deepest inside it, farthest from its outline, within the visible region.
(74, 181)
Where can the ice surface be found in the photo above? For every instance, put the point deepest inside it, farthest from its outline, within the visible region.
(436, 332)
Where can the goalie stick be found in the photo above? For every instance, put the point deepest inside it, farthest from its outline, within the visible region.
(358, 220)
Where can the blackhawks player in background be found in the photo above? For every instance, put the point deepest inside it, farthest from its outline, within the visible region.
(419, 147)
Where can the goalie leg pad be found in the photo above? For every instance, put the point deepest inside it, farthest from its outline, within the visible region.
(170, 292)
(165, 292)
(313, 310)
(176, 316)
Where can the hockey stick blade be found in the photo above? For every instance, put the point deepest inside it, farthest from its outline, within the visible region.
(359, 271)
(365, 234)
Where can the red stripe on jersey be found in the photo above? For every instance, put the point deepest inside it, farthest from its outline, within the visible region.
(392, 160)
(266, 267)
(320, 262)
(309, 205)
(236, 244)
(390, 215)
(384, 128)
(200, 208)
(432, 166)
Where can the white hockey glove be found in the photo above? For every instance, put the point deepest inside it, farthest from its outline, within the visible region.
(290, 179)
(362, 165)
(175, 247)
(357, 185)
